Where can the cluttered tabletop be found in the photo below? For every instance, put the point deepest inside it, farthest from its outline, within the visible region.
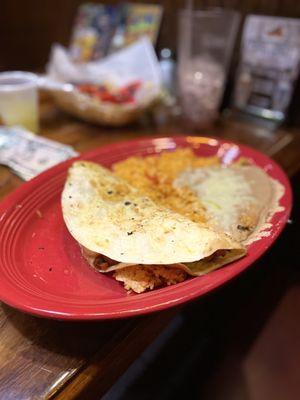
(108, 153)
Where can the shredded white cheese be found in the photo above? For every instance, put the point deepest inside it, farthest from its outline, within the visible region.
(222, 191)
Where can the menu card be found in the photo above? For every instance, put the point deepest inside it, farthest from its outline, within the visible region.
(269, 66)
(103, 29)
(94, 28)
(142, 20)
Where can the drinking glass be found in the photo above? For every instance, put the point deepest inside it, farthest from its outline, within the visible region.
(205, 42)
(19, 99)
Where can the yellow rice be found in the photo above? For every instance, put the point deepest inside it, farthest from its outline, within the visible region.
(154, 175)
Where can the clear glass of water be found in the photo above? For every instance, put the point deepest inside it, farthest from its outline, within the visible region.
(205, 43)
(19, 100)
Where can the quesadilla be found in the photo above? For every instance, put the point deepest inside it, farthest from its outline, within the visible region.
(119, 229)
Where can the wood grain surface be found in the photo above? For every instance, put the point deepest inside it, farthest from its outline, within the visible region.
(42, 359)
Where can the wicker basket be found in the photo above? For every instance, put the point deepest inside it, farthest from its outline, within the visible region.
(97, 112)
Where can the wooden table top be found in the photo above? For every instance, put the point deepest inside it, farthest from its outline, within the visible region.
(42, 359)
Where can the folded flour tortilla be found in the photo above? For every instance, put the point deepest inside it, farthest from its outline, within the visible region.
(113, 221)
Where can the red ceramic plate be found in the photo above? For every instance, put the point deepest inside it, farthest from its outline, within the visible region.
(42, 270)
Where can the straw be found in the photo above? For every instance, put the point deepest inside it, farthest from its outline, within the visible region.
(189, 5)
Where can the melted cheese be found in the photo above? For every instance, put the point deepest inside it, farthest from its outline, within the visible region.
(225, 192)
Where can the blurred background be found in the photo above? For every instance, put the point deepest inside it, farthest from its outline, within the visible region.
(27, 36)
(29, 29)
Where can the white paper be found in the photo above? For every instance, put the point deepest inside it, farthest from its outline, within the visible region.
(135, 62)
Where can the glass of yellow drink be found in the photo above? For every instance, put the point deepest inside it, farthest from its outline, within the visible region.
(19, 100)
